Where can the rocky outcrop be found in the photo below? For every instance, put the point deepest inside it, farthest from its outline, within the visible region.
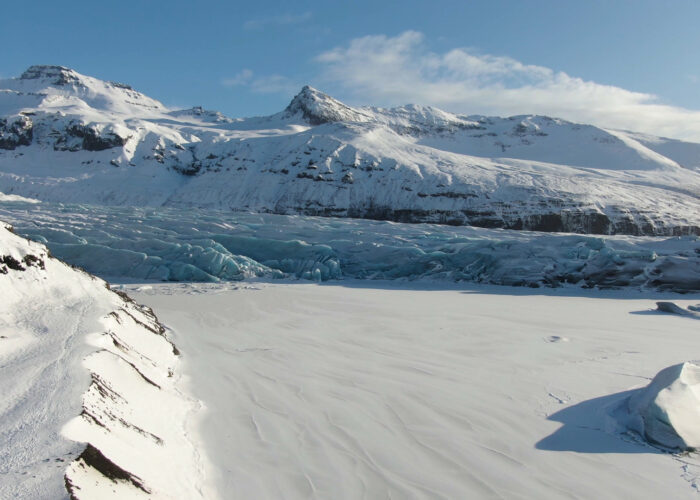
(317, 108)
(65, 332)
(95, 138)
(54, 75)
(16, 131)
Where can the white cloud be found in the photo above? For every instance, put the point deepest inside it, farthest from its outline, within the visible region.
(280, 20)
(243, 77)
(386, 70)
(268, 84)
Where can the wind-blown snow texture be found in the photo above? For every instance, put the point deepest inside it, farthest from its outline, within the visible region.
(71, 138)
(88, 382)
(197, 245)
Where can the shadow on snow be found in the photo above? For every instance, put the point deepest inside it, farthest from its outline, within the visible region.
(588, 427)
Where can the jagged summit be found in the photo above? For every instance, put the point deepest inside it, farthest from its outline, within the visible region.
(74, 88)
(60, 75)
(317, 107)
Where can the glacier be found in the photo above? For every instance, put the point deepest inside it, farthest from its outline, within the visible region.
(174, 244)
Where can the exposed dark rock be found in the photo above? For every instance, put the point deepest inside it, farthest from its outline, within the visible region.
(11, 263)
(16, 132)
(92, 457)
(318, 108)
(59, 75)
(94, 139)
(33, 261)
(566, 220)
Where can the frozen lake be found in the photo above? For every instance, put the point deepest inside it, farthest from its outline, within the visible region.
(378, 390)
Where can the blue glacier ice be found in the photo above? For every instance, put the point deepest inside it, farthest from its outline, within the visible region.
(200, 245)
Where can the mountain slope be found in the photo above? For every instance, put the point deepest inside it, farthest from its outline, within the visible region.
(91, 405)
(71, 138)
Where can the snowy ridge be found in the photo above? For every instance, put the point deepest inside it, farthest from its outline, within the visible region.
(63, 333)
(67, 137)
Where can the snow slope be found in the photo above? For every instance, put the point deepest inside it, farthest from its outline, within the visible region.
(202, 245)
(409, 390)
(91, 402)
(72, 138)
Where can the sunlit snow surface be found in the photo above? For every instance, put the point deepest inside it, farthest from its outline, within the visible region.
(381, 389)
(196, 245)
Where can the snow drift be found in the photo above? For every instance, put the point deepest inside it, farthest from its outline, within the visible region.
(67, 137)
(90, 382)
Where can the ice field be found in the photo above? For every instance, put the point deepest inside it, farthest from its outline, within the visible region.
(208, 246)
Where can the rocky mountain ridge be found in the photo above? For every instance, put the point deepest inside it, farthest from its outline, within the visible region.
(72, 138)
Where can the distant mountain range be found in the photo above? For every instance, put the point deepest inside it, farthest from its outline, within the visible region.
(67, 137)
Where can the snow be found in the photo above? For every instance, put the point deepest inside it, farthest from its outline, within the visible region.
(67, 137)
(433, 384)
(80, 365)
(409, 390)
(13, 197)
(200, 245)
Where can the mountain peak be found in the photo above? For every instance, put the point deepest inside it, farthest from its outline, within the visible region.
(59, 75)
(317, 107)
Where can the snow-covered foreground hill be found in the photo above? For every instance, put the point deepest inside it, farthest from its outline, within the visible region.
(67, 137)
(386, 390)
(91, 404)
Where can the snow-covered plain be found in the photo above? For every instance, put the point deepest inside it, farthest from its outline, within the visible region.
(387, 390)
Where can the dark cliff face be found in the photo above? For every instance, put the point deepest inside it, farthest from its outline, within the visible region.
(94, 139)
(16, 131)
(74, 136)
(566, 220)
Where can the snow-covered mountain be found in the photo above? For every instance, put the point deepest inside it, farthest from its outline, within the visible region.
(91, 402)
(72, 138)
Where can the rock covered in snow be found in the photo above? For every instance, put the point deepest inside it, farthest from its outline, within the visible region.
(667, 411)
(317, 108)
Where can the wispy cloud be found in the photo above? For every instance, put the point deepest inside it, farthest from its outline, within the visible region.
(267, 84)
(387, 70)
(279, 20)
(243, 77)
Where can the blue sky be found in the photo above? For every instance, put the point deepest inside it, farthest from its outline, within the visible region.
(618, 63)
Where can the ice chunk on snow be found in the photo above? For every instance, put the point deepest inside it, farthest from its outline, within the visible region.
(16, 197)
(670, 307)
(667, 411)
